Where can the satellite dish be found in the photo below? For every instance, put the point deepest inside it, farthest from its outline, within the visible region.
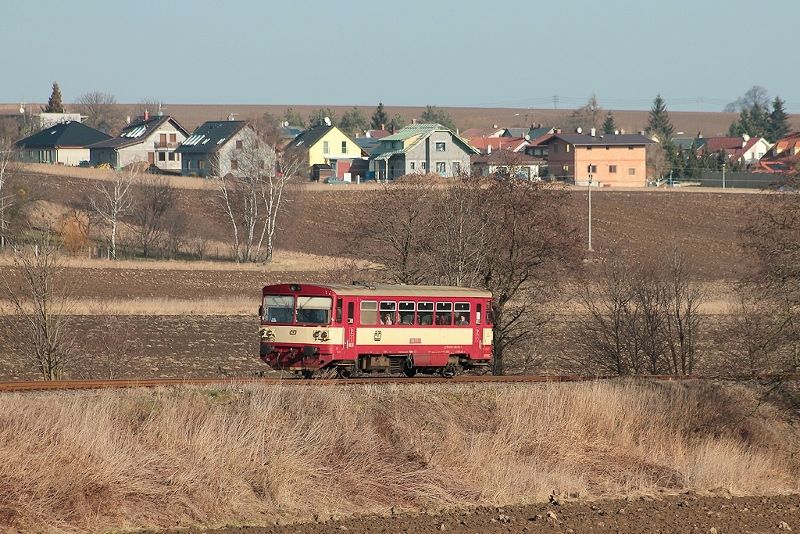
(327, 121)
(527, 137)
(285, 124)
(579, 129)
(22, 110)
(128, 119)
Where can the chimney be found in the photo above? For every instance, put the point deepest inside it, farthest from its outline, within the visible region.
(622, 131)
(383, 127)
(593, 132)
(413, 121)
(368, 133)
(146, 114)
(488, 149)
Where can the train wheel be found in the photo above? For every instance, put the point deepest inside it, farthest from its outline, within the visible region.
(410, 372)
(307, 374)
(344, 372)
(449, 371)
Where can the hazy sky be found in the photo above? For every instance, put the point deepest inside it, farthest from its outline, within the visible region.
(698, 54)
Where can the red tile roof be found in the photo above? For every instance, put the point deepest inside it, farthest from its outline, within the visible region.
(482, 132)
(715, 144)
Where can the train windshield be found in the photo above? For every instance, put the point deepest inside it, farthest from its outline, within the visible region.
(316, 310)
(278, 308)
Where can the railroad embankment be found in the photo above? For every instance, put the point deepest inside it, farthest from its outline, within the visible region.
(209, 456)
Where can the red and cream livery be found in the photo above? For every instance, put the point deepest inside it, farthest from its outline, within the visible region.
(382, 328)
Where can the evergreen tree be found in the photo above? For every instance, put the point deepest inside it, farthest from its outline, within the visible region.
(379, 118)
(293, 118)
(754, 121)
(353, 121)
(54, 104)
(778, 121)
(432, 114)
(317, 117)
(609, 125)
(658, 123)
(396, 123)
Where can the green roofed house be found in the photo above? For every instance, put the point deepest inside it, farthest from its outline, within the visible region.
(65, 143)
(421, 148)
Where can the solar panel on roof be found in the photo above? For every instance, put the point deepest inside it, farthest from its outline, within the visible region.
(222, 140)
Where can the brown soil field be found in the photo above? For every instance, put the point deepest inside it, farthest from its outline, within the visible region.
(690, 122)
(683, 513)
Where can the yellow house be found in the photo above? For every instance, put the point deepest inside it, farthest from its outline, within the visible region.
(322, 150)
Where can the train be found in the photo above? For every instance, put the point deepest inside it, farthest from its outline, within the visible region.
(348, 330)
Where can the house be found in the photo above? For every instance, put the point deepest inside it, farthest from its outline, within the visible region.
(219, 148)
(148, 139)
(421, 148)
(609, 160)
(713, 145)
(487, 145)
(323, 148)
(65, 143)
(494, 131)
(510, 164)
(751, 151)
(532, 133)
(783, 156)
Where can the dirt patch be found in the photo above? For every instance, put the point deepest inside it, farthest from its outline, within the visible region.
(682, 513)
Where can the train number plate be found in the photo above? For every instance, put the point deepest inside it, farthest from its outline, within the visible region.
(415, 341)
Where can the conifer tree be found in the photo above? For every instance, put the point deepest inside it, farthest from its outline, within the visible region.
(609, 125)
(54, 104)
(658, 122)
(379, 118)
(778, 121)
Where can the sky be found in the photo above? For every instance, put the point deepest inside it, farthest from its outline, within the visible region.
(698, 54)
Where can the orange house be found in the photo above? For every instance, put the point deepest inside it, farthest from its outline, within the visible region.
(610, 160)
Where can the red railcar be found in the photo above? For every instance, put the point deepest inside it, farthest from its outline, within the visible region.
(383, 328)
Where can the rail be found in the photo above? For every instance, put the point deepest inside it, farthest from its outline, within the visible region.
(66, 385)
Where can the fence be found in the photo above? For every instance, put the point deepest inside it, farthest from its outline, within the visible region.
(741, 180)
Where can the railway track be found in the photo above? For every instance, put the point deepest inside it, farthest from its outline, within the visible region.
(67, 385)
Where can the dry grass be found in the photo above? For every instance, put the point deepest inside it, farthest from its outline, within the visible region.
(110, 460)
(88, 173)
(237, 305)
(283, 260)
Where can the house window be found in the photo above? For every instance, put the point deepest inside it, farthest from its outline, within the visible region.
(612, 169)
(162, 139)
(631, 171)
(456, 167)
(171, 156)
(344, 147)
(412, 165)
(592, 168)
(201, 164)
(565, 168)
(189, 164)
(441, 168)
(234, 165)
(440, 146)
(325, 147)
(162, 156)
(239, 145)
(423, 165)
(568, 148)
(556, 149)
(173, 138)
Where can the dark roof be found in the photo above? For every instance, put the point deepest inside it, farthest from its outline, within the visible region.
(290, 132)
(138, 131)
(367, 144)
(210, 136)
(65, 134)
(310, 137)
(601, 140)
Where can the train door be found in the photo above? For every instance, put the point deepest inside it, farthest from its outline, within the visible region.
(350, 326)
(477, 329)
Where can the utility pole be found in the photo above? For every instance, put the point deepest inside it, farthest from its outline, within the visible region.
(590, 208)
(723, 175)
(555, 101)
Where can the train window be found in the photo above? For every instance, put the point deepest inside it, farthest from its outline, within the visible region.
(278, 308)
(407, 312)
(338, 310)
(369, 312)
(351, 312)
(478, 315)
(444, 313)
(316, 310)
(388, 315)
(462, 313)
(425, 313)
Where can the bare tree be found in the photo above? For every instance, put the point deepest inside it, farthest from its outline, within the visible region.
(39, 292)
(113, 199)
(398, 230)
(755, 338)
(153, 201)
(252, 195)
(7, 168)
(682, 324)
(101, 110)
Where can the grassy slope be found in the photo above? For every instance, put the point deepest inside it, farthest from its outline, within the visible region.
(180, 456)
